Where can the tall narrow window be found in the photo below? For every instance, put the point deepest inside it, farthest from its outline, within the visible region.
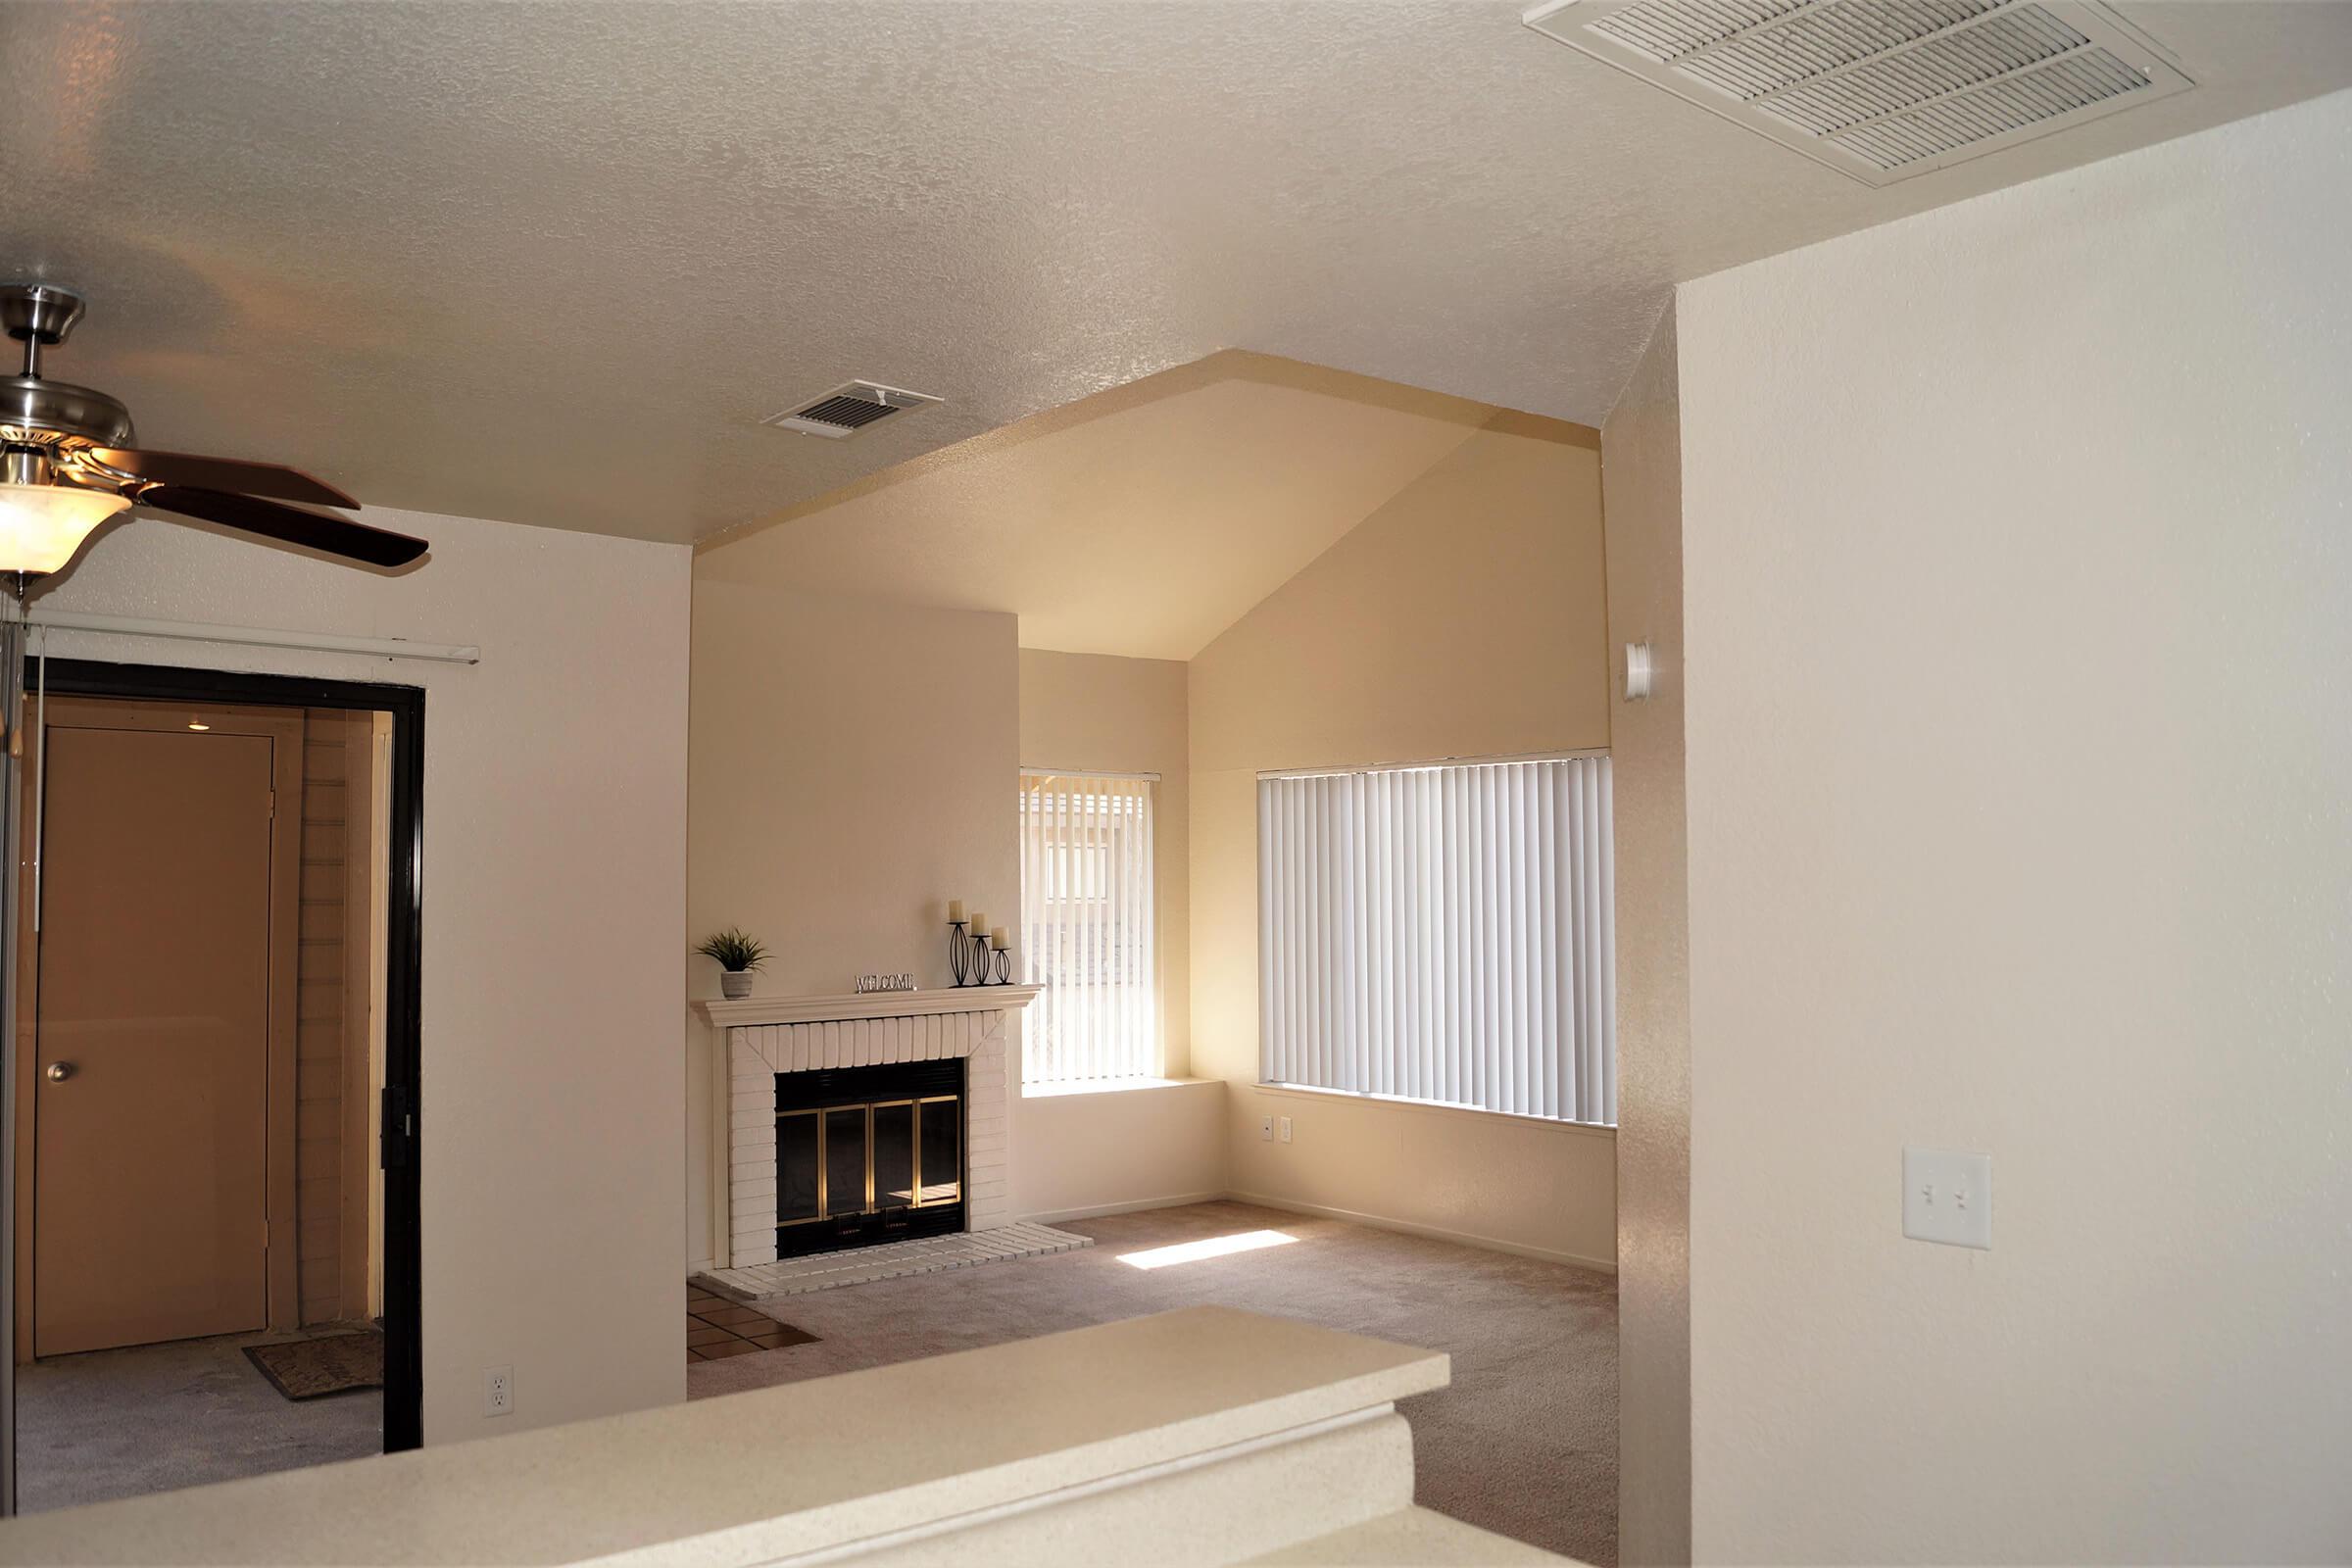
(1086, 927)
(1441, 934)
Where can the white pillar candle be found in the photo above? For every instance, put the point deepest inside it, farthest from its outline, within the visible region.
(998, 937)
(979, 922)
(954, 911)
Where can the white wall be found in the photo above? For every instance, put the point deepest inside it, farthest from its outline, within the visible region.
(2018, 552)
(1641, 478)
(554, 881)
(1463, 618)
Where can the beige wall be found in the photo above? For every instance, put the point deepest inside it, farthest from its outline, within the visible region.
(334, 1085)
(1089, 1153)
(843, 785)
(1109, 1151)
(1463, 618)
(853, 765)
(1095, 712)
(1641, 478)
(2018, 824)
(554, 805)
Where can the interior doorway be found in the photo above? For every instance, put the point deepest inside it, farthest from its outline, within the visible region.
(215, 1228)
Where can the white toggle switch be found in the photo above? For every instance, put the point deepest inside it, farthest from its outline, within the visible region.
(1947, 1197)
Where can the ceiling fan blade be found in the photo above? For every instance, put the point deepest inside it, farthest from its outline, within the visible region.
(271, 479)
(315, 530)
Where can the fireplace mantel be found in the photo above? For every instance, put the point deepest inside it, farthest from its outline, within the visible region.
(754, 1011)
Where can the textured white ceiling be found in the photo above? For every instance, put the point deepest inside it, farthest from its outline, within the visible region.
(551, 263)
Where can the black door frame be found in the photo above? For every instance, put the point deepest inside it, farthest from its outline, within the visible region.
(404, 983)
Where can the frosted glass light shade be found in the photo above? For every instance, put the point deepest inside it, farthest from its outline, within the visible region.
(41, 525)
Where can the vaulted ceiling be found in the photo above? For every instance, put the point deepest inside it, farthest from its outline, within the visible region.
(552, 263)
(1141, 522)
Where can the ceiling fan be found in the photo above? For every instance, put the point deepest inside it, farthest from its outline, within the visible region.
(68, 464)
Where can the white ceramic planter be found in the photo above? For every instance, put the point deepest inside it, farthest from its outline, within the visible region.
(735, 984)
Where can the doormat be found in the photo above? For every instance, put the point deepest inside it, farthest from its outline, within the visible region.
(312, 1369)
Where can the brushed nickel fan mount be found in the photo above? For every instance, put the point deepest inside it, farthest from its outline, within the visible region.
(68, 462)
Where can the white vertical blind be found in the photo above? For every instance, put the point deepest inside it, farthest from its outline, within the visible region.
(1443, 934)
(1086, 927)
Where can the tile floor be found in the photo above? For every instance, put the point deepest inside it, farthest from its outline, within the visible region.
(717, 1327)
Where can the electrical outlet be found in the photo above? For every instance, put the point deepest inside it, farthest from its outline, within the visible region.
(1265, 1128)
(1947, 1197)
(1286, 1129)
(498, 1390)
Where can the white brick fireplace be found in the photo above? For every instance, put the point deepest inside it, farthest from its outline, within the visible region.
(768, 1035)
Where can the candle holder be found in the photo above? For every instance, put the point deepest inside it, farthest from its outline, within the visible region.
(971, 961)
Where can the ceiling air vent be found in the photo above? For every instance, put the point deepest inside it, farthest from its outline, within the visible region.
(1880, 89)
(847, 410)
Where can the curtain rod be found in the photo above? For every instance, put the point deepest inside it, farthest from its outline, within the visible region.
(1080, 772)
(256, 636)
(1271, 773)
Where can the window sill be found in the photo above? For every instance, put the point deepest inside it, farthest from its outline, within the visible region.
(1107, 1086)
(1588, 1129)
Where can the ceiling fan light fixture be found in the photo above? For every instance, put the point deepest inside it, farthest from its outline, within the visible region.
(42, 525)
(68, 464)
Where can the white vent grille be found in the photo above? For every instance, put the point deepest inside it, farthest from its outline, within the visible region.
(848, 409)
(1880, 89)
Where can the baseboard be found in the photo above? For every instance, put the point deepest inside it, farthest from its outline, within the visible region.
(1493, 1244)
(1054, 1217)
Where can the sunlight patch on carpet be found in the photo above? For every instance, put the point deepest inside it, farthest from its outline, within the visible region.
(1214, 1247)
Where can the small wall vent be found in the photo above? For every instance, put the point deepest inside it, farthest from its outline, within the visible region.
(1878, 89)
(848, 409)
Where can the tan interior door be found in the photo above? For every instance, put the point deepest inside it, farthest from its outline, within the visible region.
(150, 1202)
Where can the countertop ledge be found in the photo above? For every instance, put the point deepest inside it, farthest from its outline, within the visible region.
(1416, 1536)
(750, 1477)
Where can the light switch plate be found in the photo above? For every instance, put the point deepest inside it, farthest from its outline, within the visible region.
(1947, 1197)
(1285, 1125)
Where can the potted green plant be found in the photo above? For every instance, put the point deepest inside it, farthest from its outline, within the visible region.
(738, 956)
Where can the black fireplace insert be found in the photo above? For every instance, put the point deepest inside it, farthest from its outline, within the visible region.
(868, 1154)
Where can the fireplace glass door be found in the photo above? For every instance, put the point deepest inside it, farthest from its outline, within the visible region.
(867, 1155)
(893, 1143)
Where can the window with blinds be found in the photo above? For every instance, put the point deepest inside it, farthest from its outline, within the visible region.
(1086, 927)
(1441, 934)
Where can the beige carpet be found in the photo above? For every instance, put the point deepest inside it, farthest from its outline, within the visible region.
(113, 1424)
(1524, 1443)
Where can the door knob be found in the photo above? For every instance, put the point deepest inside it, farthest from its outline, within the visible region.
(60, 1071)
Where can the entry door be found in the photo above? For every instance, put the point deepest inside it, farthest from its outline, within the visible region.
(152, 1068)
